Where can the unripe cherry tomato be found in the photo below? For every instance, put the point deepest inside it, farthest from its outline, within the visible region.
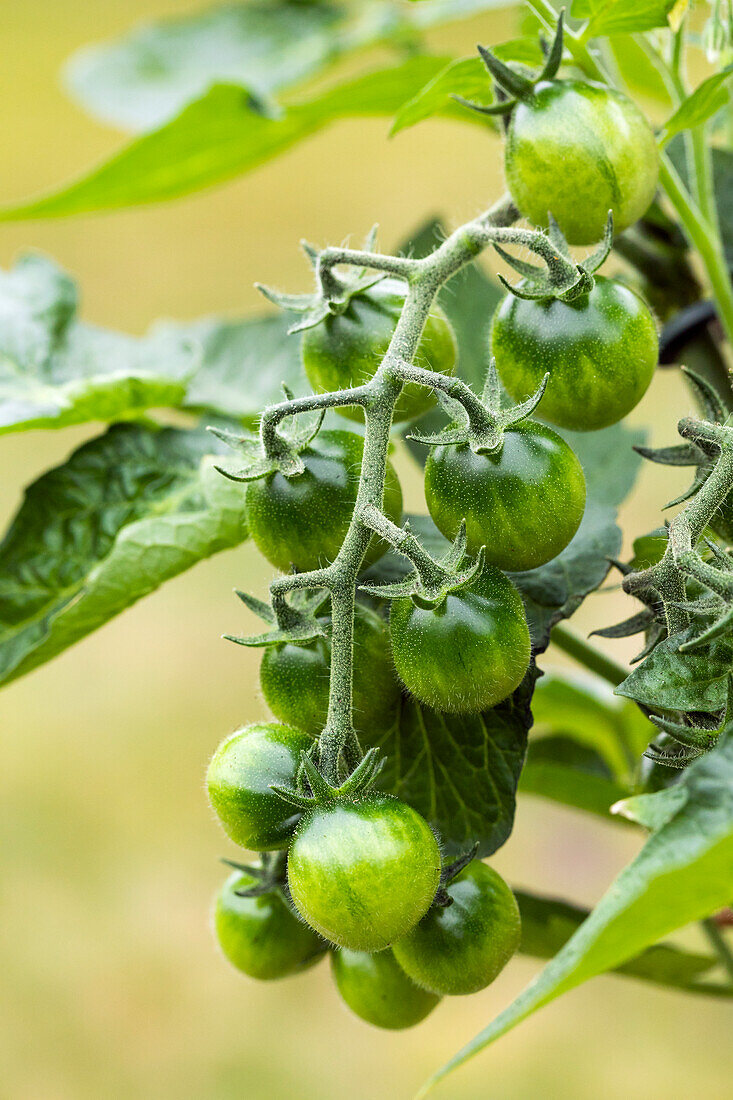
(377, 989)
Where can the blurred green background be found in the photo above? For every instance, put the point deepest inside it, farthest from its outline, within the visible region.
(111, 983)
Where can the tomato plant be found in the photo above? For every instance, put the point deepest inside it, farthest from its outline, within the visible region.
(367, 802)
(376, 988)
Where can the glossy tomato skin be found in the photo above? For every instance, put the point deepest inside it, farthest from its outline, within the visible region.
(363, 873)
(467, 654)
(523, 503)
(239, 777)
(295, 678)
(578, 150)
(461, 948)
(261, 936)
(345, 349)
(376, 988)
(302, 520)
(600, 351)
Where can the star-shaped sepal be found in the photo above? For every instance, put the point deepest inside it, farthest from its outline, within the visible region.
(283, 454)
(332, 294)
(296, 621)
(561, 277)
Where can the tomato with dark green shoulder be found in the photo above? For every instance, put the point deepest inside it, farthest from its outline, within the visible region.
(461, 948)
(301, 521)
(261, 935)
(345, 349)
(239, 777)
(376, 988)
(295, 678)
(468, 653)
(600, 351)
(363, 872)
(578, 150)
(523, 502)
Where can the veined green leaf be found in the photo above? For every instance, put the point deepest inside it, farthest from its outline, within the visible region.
(221, 135)
(56, 371)
(126, 512)
(547, 925)
(683, 873)
(148, 75)
(702, 104)
(623, 16)
(696, 680)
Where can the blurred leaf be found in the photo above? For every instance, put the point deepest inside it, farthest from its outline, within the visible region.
(636, 69)
(696, 680)
(684, 872)
(56, 371)
(148, 75)
(622, 16)
(223, 134)
(567, 772)
(460, 771)
(547, 925)
(723, 180)
(707, 98)
(466, 77)
(243, 364)
(555, 590)
(127, 511)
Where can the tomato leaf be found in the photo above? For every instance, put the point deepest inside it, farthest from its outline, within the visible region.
(623, 16)
(547, 925)
(683, 873)
(55, 370)
(560, 769)
(460, 771)
(702, 104)
(224, 133)
(127, 511)
(147, 76)
(696, 680)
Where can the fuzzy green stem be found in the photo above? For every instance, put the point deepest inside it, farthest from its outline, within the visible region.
(586, 655)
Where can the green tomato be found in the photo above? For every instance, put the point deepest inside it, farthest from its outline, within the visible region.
(301, 521)
(238, 781)
(461, 948)
(377, 989)
(600, 350)
(579, 150)
(523, 503)
(468, 653)
(261, 936)
(363, 873)
(295, 678)
(346, 348)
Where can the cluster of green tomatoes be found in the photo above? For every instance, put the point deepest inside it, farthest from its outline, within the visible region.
(361, 874)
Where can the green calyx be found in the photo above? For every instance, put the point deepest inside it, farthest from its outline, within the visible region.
(512, 85)
(280, 455)
(313, 789)
(332, 294)
(269, 874)
(480, 423)
(430, 581)
(561, 277)
(291, 621)
(442, 898)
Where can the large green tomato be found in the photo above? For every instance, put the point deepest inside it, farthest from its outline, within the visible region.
(295, 679)
(376, 988)
(461, 948)
(468, 653)
(346, 348)
(363, 873)
(301, 521)
(261, 936)
(523, 503)
(579, 150)
(239, 777)
(600, 350)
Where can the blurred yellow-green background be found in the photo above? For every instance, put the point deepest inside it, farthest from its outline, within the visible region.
(111, 984)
